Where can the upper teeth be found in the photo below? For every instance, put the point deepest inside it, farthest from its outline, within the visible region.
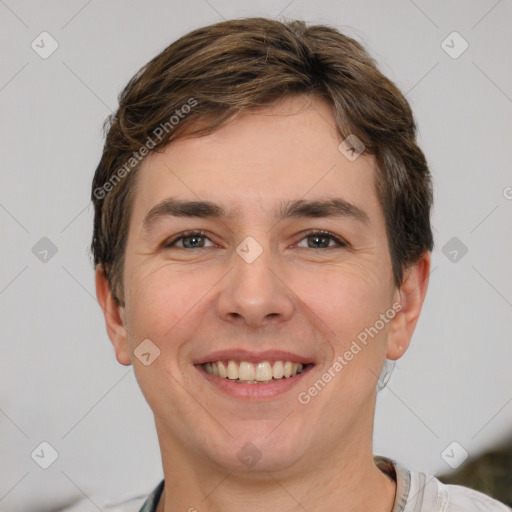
(260, 372)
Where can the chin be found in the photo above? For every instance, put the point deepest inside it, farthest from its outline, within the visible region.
(256, 452)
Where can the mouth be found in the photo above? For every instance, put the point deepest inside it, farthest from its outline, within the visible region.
(242, 374)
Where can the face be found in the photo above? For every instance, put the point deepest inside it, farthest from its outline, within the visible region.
(281, 265)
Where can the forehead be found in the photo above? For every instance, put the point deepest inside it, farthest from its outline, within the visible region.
(285, 152)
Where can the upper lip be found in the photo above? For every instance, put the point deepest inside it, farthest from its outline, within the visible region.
(252, 357)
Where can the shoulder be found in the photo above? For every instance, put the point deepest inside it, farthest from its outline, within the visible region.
(421, 492)
(440, 497)
(463, 499)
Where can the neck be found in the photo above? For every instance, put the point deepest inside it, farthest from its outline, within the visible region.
(346, 481)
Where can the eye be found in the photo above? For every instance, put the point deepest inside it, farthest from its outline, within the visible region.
(190, 239)
(196, 240)
(322, 239)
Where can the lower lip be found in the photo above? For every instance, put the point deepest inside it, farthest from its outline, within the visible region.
(254, 391)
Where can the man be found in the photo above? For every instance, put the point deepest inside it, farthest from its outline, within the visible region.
(262, 246)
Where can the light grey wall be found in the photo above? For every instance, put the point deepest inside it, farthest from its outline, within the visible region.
(59, 380)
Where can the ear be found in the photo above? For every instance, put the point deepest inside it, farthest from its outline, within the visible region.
(114, 317)
(411, 296)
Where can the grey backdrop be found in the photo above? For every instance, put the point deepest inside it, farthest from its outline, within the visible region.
(59, 381)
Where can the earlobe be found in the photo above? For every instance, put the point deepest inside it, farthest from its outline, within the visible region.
(114, 317)
(411, 296)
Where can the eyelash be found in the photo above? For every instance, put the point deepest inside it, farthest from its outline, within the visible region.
(191, 234)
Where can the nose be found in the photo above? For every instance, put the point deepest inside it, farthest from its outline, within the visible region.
(255, 294)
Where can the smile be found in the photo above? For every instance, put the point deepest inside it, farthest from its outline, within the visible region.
(250, 375)
(244, 372)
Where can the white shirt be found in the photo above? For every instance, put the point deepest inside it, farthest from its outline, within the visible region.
(415, 492)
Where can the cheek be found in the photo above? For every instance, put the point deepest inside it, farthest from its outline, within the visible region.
(166, 302)
(160, 302)
(161, 307)
(347, 298)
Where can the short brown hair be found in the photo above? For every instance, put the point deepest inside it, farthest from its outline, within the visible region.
(238, 66)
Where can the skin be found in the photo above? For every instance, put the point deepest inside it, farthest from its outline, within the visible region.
(294, 296)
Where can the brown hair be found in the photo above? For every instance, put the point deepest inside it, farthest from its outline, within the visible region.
(211, 75)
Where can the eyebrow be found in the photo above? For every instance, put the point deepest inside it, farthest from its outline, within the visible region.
(333, 207)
